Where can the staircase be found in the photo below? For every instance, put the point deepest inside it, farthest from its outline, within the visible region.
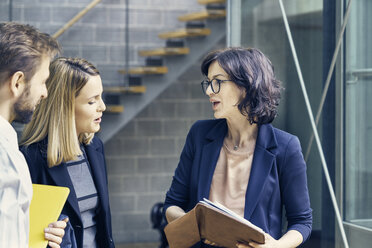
(183, 48)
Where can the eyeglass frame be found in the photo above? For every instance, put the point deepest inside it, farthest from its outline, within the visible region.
(210, 82)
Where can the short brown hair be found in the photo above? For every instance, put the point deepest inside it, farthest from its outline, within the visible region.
(22, 48)
(251, 70)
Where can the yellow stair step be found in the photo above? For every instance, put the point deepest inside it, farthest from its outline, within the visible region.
(114, 108)
(186, 32)
(165, 51)
(211, 1)
(129, 89)
(202, 15)
(147, 70)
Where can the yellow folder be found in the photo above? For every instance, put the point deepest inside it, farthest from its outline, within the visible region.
(46, 206)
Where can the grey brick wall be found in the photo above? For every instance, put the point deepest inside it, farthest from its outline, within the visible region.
(144, 154)
(100, 35)
(142, 157)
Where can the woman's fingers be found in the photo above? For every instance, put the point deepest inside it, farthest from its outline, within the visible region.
(55, 232)
(52, 231)
(53, 245)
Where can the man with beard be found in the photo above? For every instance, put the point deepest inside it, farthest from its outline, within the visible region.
(25, 55)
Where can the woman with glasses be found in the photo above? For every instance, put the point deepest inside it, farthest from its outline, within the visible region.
(239, 159)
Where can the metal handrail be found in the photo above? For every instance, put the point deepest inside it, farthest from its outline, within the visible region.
(353, 76)
(76, 18)
(365, 72)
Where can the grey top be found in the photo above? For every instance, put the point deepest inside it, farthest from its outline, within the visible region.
(86, 193)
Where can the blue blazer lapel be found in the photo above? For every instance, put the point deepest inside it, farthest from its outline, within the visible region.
(261, 165)
(61, 178)
(97, 163)
(210, 154)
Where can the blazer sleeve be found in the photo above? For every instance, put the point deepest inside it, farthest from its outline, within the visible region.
(293, 184)
(178, 194)
(102, 151)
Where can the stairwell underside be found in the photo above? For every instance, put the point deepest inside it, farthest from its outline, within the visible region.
(156, 84)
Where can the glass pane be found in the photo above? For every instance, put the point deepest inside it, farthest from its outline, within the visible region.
(261, 26)
(358, 116)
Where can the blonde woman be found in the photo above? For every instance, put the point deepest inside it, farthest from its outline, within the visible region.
(61, 149)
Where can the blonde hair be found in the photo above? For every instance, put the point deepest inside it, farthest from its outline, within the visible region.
(54, 117)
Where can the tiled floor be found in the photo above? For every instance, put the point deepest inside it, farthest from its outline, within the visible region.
(142, 245)
(313, 242)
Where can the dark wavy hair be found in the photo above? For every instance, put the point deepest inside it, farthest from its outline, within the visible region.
(251, 70)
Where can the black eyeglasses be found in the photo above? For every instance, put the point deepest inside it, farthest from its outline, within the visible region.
(215, 84)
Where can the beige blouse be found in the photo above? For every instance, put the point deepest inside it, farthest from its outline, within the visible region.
(231, 176)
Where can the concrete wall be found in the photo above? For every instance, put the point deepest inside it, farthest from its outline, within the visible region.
(144, 154)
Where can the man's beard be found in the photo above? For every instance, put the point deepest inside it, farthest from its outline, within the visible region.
(22, 109)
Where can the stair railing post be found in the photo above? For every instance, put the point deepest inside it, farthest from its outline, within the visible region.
(126, 78)
(10, 10)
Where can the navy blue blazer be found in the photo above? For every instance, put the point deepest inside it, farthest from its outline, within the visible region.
(277, 179)
(36, 157)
